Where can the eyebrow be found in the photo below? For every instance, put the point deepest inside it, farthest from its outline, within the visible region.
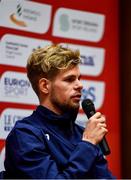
(71, 76)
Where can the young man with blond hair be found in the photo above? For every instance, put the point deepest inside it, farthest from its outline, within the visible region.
(48, 144)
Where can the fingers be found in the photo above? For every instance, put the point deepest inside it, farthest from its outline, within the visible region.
(104, 131)
(95, 129)
(99, 121)
(98, 117)
(100, 125)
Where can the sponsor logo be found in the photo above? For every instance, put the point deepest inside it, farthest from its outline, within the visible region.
(15, 50)
(15, 87)
(87, 60)
(13, 17)
(94, 90)
(92, 59)
(8, 119)
(81, 25)
(89, 93)
(25, 15)
(64, 22)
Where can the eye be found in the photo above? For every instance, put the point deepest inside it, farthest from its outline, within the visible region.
(70, 79)
(79, 78)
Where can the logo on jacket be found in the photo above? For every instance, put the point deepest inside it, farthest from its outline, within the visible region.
(47, 136)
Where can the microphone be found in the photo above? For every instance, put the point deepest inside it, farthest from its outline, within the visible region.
(89, 110)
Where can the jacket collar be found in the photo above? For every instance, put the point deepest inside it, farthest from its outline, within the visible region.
(51, 117)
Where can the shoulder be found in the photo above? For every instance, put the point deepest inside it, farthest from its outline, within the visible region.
(24, 130)
(25, 138)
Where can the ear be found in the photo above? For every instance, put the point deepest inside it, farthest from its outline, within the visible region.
(44, 85)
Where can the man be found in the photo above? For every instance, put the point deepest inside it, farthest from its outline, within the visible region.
(48, 144)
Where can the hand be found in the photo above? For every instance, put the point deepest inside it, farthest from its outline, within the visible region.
(95, 129)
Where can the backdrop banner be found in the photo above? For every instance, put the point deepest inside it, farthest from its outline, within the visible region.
(91, 27)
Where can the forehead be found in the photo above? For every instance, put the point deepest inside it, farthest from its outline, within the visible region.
(70, 71)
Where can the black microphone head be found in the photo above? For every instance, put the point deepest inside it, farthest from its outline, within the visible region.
(88, 107)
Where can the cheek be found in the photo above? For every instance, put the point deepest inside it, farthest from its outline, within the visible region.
(63, 94)
(63, 91)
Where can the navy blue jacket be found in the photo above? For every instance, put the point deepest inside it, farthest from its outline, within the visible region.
(48, 146)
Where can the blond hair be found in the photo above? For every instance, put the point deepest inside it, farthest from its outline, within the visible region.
(48, 61)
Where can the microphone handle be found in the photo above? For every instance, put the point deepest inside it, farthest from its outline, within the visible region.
(104, 146)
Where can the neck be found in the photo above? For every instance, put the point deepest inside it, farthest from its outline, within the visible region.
(51, 107)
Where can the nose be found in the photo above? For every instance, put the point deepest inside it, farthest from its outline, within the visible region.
(78, 85)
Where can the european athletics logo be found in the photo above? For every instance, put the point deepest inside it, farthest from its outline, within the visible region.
(15, 17)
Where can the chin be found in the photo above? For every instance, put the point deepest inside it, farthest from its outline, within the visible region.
(76, 105)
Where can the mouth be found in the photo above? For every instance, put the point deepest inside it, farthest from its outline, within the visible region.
(77, 97)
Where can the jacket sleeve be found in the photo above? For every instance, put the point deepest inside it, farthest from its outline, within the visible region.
(28, 157)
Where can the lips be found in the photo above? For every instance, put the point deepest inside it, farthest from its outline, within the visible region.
(77, 96)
